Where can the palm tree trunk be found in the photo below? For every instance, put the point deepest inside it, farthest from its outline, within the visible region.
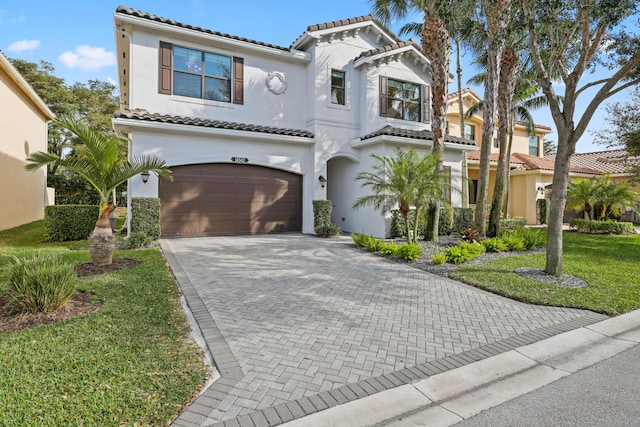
(102, 241)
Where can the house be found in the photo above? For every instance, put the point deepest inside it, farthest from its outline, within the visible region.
(254, 132)
(531, 172)
(23, 124)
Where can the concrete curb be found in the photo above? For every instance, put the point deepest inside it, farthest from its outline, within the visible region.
(452, 396)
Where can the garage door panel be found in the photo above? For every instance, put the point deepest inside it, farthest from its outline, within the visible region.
(219, 199)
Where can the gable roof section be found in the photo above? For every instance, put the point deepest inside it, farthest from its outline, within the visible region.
(14, 75)
(465, 92)
(336, 26)
(144, 115)
(426, 135)
(151, 17)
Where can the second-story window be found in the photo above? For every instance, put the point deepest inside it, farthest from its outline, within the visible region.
(201, 74)
(338, 87)
(533, 145)
(403, 100)
(496, 141)
(470, 132)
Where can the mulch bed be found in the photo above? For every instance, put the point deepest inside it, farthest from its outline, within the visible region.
(12, 319)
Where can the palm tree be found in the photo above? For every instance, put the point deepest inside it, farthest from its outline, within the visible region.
(404, 181)
(583, 194)
(611, 195)
(96, 160)
(441, 17)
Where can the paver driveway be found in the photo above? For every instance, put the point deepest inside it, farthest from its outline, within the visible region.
(294, 318)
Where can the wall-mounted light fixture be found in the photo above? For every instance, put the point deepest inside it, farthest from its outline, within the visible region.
(541, 189)
(323, 181)
(145, 176)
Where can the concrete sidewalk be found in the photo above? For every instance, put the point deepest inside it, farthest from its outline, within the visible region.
(450, 397)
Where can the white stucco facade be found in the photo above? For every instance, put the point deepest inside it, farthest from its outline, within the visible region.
(286, 119)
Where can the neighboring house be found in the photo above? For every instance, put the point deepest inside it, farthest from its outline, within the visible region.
(255, 132)
(23, 125)
(531, 172)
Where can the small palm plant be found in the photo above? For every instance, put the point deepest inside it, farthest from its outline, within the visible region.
(96, 160)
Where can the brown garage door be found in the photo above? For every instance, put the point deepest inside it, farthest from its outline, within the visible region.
(219, 199)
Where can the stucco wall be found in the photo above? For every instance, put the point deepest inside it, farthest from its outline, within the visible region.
(24, 130)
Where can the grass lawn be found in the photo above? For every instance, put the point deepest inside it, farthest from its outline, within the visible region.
(609, 264)
(130, 362)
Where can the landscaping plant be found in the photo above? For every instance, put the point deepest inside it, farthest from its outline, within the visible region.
(409, 252)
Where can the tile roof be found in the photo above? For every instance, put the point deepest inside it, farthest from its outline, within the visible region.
(194, 121)
(388, 48)
(415, 134)
(521, 161)
(343, 22)
(611, 161)
(140, 14)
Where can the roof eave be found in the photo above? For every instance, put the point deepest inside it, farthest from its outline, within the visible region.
(26, 88)
(359, 142)
(293, 54)
(372, 59)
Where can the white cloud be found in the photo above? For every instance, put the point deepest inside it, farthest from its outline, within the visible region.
(88, 58)
(22, 45)
(17, 20)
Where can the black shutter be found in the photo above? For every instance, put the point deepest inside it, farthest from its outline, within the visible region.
(238, 80)
(383, 96)
(164, 80)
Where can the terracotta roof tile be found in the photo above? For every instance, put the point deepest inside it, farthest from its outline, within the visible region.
(611, 161)
(388, 48)
(140, 14)
(415, 134)
(195, 121)
(521, 161)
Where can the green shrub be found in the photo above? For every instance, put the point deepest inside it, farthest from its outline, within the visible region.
(462, 218)
(542, 210)
(145, 216)
(457, 255)
(438, 257)
(494, 244)
(388, 248)
(73, 190)
(532, 237)
(514, 243)
(511, 223)
(601, 227)
(41, 283)
(409, 252)
(371, 243)
(327, 230)
(474, 249)
(397, 227)
(70, 222)
(321, 213)
(137, 240)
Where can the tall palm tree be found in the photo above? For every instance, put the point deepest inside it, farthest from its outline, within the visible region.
(405, 181)
(440, 17)
(97, 161)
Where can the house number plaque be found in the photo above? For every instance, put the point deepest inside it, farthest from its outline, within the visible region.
(239, 160)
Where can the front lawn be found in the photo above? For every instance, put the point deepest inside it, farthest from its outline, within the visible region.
(609, 264)
(130, 362)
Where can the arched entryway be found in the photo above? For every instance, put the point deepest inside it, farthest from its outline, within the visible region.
(222, 199)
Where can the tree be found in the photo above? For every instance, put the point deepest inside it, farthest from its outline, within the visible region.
(497, 15)
(94, 101)
(404, 181)
(549, 147)
(565, 39)
(441, 18)
(97, 161)
(582, 194)
(612, 195)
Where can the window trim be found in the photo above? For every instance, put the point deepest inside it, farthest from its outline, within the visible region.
(343, 88)
(167, 69)
(422, 102)
(473, 134)
(537, 146)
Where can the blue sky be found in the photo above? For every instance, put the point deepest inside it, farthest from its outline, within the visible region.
(77, 37)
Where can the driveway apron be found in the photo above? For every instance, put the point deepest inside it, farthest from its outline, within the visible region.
(296, 324)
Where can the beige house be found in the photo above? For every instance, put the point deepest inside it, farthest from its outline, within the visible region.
(531, 172)
(23, 126)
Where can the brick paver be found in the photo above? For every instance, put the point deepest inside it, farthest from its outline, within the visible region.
(288, 317)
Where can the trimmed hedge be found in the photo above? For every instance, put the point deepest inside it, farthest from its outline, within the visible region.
(512, 223)
(542, 210)
(321, 213)
(70, 222)
(145, 216)
(462, 218)
(601, 227)
(73, 190)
